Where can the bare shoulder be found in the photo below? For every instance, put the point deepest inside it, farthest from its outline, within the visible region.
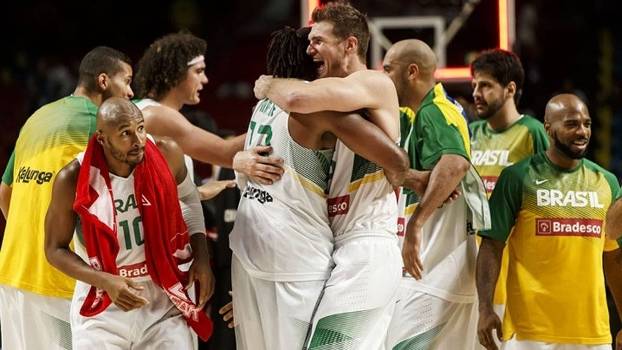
(68, 176)
(164, 121)
(374, 77)
(174, 156)
(168, 147)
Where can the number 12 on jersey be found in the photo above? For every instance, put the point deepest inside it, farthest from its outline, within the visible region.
(262, 129)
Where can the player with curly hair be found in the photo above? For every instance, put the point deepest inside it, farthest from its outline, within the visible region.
(171, 74)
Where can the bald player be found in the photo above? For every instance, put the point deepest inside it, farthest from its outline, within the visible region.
(143, 314)
(436, 301)
(553, 204)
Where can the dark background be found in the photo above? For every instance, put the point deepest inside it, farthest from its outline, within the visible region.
(566, 46)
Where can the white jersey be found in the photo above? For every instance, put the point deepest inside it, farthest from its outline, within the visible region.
(147, 102)
(361, 200)
(130, 234)
(281, 231)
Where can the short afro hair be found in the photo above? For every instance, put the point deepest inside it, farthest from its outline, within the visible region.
(101, 59)
(165, 63)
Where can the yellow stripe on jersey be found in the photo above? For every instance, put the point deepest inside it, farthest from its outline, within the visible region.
(306, 183)
(367, 179)
(452, 115)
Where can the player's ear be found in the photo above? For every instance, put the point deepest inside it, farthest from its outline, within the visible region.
(99, 136)
(511, 89)
(413, 71)
(352, 44)
(103, 81)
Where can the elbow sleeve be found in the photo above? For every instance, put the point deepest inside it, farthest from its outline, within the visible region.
(190, 204)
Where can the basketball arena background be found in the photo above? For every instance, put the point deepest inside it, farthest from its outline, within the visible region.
(565, 46)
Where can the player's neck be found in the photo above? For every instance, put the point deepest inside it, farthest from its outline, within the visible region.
(419, 92)
(354, 65)
(118, 168)
(561, 160)
(504, 117)
(95, 97)
(172, 100)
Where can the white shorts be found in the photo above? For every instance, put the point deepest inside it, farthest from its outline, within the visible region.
(32, 321)
(271, 315)
(157, 325)
(514, 344)
(359, 298)
(425, 321)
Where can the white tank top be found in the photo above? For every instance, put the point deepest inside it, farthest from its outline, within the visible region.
(281, 232)
(130, 234)
(361, 199)
(147, 102)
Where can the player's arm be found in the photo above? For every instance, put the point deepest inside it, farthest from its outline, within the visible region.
(505, 203)
(613, 223)
(363, 89)
(368, 141)
(5, 186)
(59, 226)
(613, 276)
(5, 199)
(192, 212)
(194, 141)
(207, 147)
(486, 275)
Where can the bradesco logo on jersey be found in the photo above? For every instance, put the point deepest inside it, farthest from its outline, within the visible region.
(25, 175)
(489, 183)
(338, 205)
(569, 227)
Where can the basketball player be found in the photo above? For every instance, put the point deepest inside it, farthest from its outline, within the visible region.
(436, 307)
(359, 296)
(554, 204)
(129, 291)
(34, 296)
(171, 74)
(275, 291)
(502, 136)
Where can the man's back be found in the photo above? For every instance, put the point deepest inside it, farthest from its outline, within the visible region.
(49, 140)
(290, 216)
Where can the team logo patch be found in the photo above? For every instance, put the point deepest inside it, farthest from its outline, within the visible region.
(338, 205)
(134, 270)
(401, 226)
(489, 183)
(569, 227)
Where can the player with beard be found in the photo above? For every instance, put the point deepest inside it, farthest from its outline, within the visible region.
(554, 204)
(503, 136)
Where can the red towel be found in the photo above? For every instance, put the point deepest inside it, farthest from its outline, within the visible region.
(166, 236)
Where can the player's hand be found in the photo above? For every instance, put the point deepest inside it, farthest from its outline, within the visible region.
(412, 249)
(488, 320)
(619, 340)
(452, 197)
(258, 165)
(201, 272)
(262, 85)
(213, 188)
(124, 292)
(227, 314)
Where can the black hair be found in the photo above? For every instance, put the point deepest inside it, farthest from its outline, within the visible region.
(165, 64)
(504, 66)
(287, 54)
(101, 59)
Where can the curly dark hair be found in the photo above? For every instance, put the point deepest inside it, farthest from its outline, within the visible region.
(347, 21)
(287, 56)
(504, 66)
(165, 63)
